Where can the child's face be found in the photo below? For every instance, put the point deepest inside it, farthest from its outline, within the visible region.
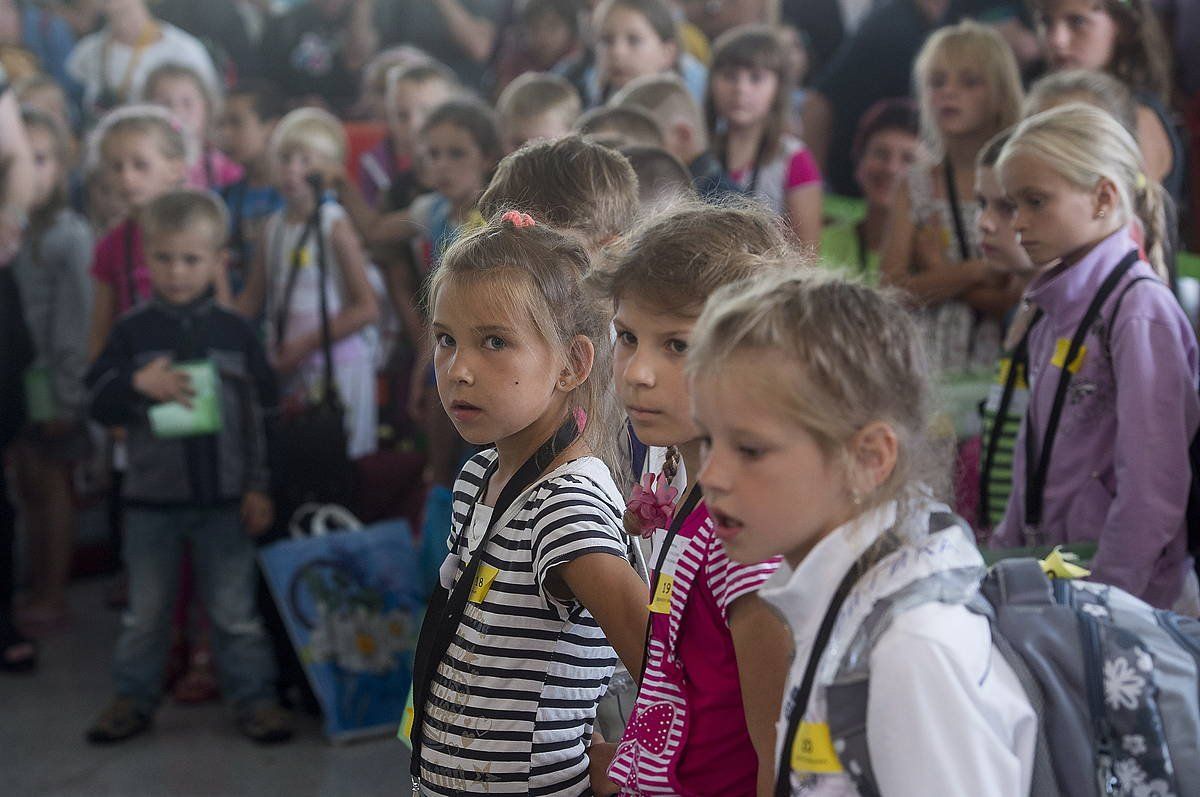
(495, 377)
(770, 488)
(183, 263)
(186, 102)
(1077, 34)
(959, 99)
(648, 365)
(549, 126)
(47, 171)
(139, 169)
(293, 166)
(105, 204)
(243, 134)
(1053, 218)
(547, 39)
(628, 47)
(743, 96)
(887, 155)
(49, 100)
(410, 106)
(454, 163)
(998, 240)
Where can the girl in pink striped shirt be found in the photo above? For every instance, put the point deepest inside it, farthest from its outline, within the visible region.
(715, 657)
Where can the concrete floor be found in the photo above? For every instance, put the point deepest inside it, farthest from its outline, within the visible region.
(192, 751)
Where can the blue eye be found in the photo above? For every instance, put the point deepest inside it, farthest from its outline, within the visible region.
(677, 346)
(494, 342)
(626, 338)
(443, 340)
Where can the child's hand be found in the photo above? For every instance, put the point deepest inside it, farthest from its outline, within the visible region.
(257, 513)
(289, 356)
(600, 755)
(156, 380)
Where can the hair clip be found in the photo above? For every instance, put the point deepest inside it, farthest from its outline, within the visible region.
(518, 219)
(1141, 181)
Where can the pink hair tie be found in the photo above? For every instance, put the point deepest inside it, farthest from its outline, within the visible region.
(518, 219)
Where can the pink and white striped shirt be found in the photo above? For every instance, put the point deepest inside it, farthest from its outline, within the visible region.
(687, 734)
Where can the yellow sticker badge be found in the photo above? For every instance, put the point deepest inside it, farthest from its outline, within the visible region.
(660, 603)
(404, 732)
(812, 750)
(1060, 356)
(483, 582)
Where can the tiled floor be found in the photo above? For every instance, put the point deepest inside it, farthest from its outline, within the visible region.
(193, 751)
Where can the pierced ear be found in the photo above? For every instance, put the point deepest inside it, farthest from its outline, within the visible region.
(873, 451)
(1107, 198)
(580, 360)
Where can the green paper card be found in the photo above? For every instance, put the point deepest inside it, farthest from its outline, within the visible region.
(40, 406)
(172, 419)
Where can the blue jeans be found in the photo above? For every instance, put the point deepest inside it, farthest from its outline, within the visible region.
(225, 568)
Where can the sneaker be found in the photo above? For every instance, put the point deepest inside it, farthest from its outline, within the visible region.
(120, 721)
(266, 723)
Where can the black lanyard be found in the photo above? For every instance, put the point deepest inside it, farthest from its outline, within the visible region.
(130, 278)
(1037, 468)
(960, 230)
(758, 159)
(1018, 368)
(860, 237)
(882, 547)
(446, 607)
(681, 515)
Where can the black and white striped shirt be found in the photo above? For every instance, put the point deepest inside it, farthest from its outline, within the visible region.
(511, 707)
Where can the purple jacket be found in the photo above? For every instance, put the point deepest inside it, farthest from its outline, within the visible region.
(1123, 484)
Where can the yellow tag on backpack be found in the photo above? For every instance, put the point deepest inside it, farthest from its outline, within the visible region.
(812, 750)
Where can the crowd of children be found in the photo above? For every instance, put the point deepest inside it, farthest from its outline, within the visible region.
(669, 392)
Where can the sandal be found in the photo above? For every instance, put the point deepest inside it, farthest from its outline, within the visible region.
(120, 721)
(17, 653)
(266, 723)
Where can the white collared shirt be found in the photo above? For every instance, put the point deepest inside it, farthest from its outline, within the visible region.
(946, 713)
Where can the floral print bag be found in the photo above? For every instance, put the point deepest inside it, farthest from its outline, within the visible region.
(1115, 682)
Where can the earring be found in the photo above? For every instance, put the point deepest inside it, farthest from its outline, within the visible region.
(856, 498)
(1100, 213)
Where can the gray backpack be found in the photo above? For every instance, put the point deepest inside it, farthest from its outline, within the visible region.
(1115, 683)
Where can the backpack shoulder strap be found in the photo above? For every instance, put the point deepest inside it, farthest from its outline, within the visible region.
(1116, 309)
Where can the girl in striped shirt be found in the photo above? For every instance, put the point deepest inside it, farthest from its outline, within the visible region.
(715, 657)
(507, 685)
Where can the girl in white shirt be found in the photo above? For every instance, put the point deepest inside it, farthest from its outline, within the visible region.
(813, 396)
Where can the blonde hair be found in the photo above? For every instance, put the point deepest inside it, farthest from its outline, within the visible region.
(536, 274)
(666, 97)
(578, 186)
(536, 93)
(152, 120)
(1085, 145)
(311, 129)
(676, 259)
(1099, 88)
(846, 355)
(969, 44)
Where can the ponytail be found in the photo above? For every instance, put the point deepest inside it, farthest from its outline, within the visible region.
(1150, 206)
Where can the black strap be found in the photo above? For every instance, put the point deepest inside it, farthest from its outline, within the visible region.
(960, 231)
(1018, 364)
(885, 545)
(313, 227)
(1037, 468)
(759, 154)
(681, 515)
(446, 607)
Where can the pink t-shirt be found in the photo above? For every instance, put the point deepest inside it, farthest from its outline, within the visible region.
(118, 262)
(214, 170)
(687, 734)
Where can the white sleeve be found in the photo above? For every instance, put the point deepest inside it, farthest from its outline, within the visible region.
(946, 714)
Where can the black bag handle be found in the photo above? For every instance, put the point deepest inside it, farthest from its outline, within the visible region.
(885, 545)
(1037, 468)
(446, 607)
(1018, 364)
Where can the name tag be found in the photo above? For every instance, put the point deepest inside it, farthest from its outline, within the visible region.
(660, 601)
(1060, 356)
(812, 750)
(483, 582)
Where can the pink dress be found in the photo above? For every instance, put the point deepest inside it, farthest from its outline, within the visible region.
(687, 734)
(118, 262)
(214, 170)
